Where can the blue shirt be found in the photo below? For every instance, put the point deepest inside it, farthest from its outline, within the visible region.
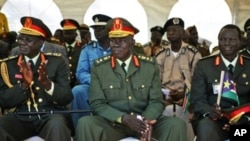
(88, 54)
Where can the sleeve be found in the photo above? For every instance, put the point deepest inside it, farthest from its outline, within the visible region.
(83, 67)
(199, 91)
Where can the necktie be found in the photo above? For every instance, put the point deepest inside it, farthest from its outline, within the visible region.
(123, 67)
(32, 66)
(70, 49)
(230, 69)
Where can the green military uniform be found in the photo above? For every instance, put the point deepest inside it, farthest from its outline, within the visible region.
(114, 94)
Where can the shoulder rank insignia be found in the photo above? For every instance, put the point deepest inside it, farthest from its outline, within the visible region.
(160, 51)
(192, 48)
(102, 59)
(9, 58)
(145, 58)
(53, 54)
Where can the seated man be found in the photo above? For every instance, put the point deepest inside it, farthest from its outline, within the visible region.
(125, 94)
(206, 103)
(35, 84)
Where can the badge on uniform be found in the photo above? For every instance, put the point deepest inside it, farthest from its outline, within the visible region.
(216, 87)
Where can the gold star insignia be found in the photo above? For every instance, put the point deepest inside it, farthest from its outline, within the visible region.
(226, 84)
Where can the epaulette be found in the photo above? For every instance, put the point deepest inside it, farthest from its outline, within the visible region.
(242, 50)
(138, 45)
(192, 48)
(160, 51)
(8, 58)
(92, 43)
(209, 56)
(53, 54)
(146, 58)
(102, 59)
(164, 42)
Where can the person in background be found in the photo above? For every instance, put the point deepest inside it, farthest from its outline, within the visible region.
(4, 26)
(208, 121)
(73, 47)
(246, 50)
(177, 62)
(85, 34)
(156, 44)
(4, 49)
(125, 94)
(35, 84)
(89, 53)
(193, 40)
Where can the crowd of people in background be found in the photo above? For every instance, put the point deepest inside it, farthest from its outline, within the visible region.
(115, 87)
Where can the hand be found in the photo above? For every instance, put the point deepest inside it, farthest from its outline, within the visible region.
(215, 112)
(226, 127)
(135, 123)
(26, 72)
(42, 71)
(146, 135)
(43, 76)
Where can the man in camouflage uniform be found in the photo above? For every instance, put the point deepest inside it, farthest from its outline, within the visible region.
(156, 44)
(193, 40)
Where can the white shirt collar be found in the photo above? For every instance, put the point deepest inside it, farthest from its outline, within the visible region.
(34, 59)
(226, 62)
(127, 62)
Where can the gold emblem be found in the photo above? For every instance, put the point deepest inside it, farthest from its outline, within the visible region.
(28, 22)
(176, 21)
(117, 24)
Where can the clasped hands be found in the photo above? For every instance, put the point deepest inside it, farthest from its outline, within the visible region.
(138, 123)
(27, 73)
(175, 97)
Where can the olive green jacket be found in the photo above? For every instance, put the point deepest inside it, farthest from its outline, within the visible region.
(114, 93)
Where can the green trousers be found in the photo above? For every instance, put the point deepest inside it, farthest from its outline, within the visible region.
(94, 128)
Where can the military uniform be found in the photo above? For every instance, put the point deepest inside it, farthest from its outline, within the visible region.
(245, 52)
(204, 93)
(70, 26)
(174, 70)
(141, 100)
(13, 96)
(117, 92)
(151, 50)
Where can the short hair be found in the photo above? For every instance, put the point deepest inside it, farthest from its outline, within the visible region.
(231, 26)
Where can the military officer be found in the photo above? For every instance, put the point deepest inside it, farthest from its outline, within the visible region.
(125, 94)
(246, 51)
(207, 121)
(34, 84)
(156, 44)
(177, 61)
(193, 40)
(73, 47)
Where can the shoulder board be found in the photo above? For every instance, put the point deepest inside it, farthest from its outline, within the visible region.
(9, 58)
(138, 45)
(146, 58)
(102, 59)
(192, 48)
(91, 43)
(160, 51)
(242, 50)
(209, 56)
(164, 42)
(53, 54)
